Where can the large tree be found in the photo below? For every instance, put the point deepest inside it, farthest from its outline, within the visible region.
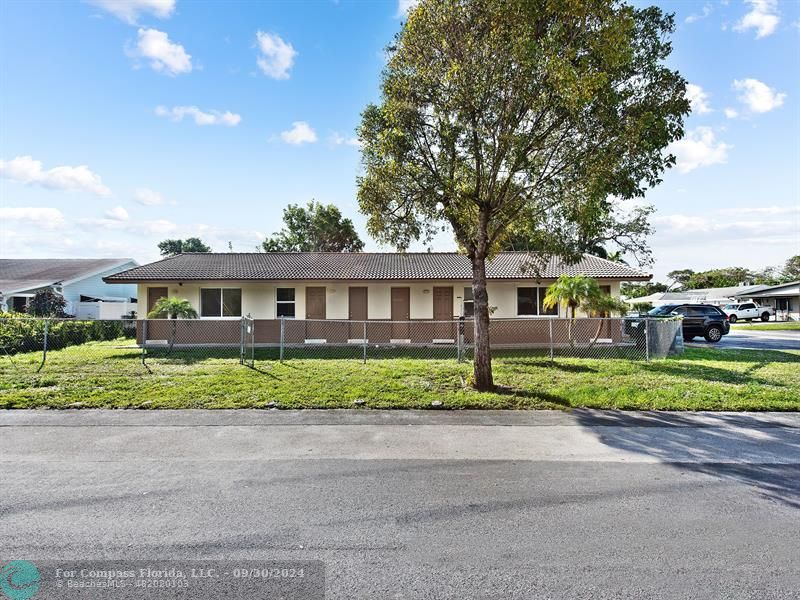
(315, 228)
(173, 247)
(495, 112)
(791, 270)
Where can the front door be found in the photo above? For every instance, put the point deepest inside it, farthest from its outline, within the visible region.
(357, 300)
(154, 294)
(315, 309)
(443, 311)
(401, 313)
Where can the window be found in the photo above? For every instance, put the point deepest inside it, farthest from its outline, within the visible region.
(527, 301)
(551, 312)
(530, 302)
(469, 303)
(285, 302)
(711, 311)
(220, 302)
(747, 306)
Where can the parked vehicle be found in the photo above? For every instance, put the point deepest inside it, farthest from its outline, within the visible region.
(748, 311)
(698, 319)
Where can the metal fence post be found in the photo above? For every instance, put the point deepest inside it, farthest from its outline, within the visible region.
(144, 340)
(647, 340)
(252, 341)
(550, 321)
(283, 330)
(44, 344)
(365, 342)
(241, 340)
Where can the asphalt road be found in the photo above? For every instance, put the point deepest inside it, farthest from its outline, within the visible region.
(755, 340)
(420, 504)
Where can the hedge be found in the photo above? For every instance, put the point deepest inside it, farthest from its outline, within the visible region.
(24, 334)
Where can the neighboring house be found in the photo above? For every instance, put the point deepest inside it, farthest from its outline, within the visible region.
(78, 280)
(357, 286)
(716, 296)
(784, 298)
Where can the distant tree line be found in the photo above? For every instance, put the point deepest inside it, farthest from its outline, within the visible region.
(687, 279)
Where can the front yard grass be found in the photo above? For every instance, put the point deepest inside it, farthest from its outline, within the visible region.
(109, 375)
(787, 326)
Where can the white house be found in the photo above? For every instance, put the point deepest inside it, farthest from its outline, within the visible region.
(78, 280)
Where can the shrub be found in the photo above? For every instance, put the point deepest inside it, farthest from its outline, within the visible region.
(46, 303)
(19, 333)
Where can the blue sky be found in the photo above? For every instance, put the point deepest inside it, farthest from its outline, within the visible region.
(123, 123)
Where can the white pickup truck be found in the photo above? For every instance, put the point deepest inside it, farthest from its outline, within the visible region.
(748, 311)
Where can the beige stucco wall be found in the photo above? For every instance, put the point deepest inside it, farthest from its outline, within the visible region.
(258, 298)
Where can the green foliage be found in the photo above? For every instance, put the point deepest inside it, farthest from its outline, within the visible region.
(680, 277)
(638, 290)
(173, 247)
(315, 228)
(172, 308)
(20, 333)
(495, 112)
(791, 270)
(713, 278)
(47, 303)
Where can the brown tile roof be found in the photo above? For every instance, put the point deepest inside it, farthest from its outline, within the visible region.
(361, 266)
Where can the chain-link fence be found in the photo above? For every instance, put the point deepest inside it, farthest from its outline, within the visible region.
(127, 347)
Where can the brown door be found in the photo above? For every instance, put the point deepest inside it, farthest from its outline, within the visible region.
(154, 294)
(443, 311)
(315, 303)
(315, 309)
(357, 311)
(401, 311)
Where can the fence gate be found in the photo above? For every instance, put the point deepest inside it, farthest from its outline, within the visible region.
(248, 346)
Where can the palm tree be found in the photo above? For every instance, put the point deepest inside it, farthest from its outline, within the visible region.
(172, 308)
(576, 291)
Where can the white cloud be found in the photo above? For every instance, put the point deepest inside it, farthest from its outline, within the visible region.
(148, 197)
(698, 98)
(300, 133)
(731, 113)
(698, 149)
(758, 96)
(211, 117)
(760, 210)
(25, 169)
(763, 17)
(129, 10)
(47, 218)
(707, 8)
(276, 57)
(164, 56)
(404, 7)
(338, 140)
(117, 213)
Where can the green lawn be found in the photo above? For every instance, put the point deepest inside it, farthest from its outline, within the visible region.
(104, 374)
(790, 326)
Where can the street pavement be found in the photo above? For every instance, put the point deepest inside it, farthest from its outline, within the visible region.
(741, 339)
(420, 504)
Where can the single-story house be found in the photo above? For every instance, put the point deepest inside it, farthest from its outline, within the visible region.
(391, 287)
(78, 280)
(784, 298)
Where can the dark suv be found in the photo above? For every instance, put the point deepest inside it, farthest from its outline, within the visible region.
(698, 319)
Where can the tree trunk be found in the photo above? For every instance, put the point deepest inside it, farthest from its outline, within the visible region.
(482, 368)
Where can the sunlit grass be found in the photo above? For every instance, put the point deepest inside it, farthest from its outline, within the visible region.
(111, 375)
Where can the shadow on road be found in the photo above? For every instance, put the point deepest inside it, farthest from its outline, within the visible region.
(672, 440)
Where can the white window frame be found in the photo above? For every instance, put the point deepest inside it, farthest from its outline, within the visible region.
(464, 303)
(278, 302)
(241, 298)
(538, 289)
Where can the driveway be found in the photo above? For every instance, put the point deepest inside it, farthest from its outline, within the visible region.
(754, 340)
(419, 504)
